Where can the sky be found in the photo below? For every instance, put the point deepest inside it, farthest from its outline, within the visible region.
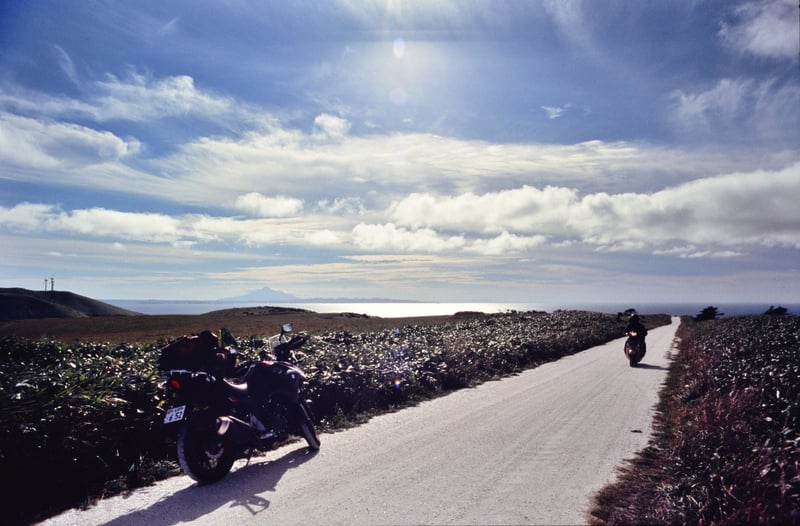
(542, 151)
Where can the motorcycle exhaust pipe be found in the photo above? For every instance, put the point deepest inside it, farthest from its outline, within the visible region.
(236, 430)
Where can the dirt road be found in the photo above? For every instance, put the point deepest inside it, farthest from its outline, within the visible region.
(530, 449)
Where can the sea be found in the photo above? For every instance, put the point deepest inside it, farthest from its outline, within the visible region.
(402, 309)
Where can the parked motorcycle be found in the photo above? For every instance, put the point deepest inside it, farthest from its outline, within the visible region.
(634, 348)
(219, 421)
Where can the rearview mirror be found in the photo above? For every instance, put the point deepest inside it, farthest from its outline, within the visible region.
(287, 327)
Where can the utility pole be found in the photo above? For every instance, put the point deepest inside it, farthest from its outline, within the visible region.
(52, 284)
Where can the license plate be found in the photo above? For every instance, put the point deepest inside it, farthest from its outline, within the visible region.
(175, 414)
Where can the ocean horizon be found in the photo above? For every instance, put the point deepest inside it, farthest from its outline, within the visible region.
(401, 309)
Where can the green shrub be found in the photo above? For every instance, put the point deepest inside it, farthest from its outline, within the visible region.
(83, 420)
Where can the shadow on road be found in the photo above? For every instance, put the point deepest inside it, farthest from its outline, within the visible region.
(649, 366)
(241, 487)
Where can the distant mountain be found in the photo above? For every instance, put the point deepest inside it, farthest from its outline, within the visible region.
(23, 304)
(262, 295)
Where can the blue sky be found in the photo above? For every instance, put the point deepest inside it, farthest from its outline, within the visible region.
(547, 151)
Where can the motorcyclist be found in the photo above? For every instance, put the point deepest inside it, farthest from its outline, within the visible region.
(635, 324)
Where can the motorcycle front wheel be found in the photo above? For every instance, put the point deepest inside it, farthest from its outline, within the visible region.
(202, 454)
(307, 428)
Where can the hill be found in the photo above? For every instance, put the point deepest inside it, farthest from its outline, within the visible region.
(23, 304)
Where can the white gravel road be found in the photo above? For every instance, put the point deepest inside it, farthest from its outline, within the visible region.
(530, 449)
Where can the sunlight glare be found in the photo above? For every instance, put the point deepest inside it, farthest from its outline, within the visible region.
(399, 47)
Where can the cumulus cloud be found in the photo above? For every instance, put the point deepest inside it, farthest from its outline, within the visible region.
(259, 205)
(390, 237)
(723, 216)
(505, 244)
(765, 29)
(525, 209)
(94, 222)
(26, 217)
(727, 211)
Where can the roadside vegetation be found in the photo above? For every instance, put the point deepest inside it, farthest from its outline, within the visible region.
(727, 444)
(81, 421)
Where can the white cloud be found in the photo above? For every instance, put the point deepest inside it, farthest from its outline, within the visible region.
(723, 102)
(135, 97)
(389, 237)
(505, 244)
(259, 205)
(99, 222)
(331, 126)
(724, 216)
(42, 144)
(569, 19)
(66, 64)
(323, 238)
(525, 209)
(140, 98)
(342, 205)
(736, 108)
(554, 112)
(732, 210)
(765, 29)
(26, 217)
(327, 163)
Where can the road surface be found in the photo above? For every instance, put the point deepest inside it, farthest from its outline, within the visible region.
(529, 449)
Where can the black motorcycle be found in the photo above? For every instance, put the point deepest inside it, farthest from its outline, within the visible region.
(219, 420)
(634, 348)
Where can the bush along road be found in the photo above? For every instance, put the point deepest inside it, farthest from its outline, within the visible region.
(81, 421)
(528, 449)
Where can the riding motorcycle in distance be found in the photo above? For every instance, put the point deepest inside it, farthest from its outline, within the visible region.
(634, 348)
(218, 421)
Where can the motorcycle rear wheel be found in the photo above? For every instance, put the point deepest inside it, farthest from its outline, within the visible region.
(202, 453)
(633, 352)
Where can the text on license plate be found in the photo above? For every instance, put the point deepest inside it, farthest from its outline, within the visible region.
(175, 414)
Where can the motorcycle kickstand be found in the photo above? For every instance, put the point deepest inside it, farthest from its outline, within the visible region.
(249, 456)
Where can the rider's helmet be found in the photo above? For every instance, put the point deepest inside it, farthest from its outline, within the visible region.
(634, 318)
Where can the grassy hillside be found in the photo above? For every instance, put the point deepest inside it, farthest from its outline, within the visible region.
(24, 304)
